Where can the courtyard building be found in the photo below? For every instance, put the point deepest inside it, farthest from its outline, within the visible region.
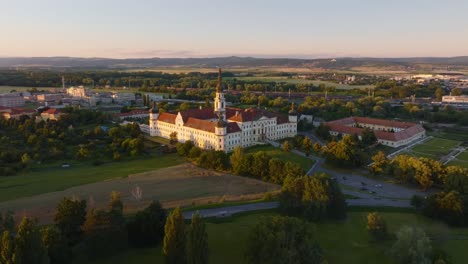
(388, 132)
(223, 128)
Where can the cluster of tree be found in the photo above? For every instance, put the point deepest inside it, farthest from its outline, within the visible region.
(313, 197)
(379, 107)
(299, 142)
(283, 239)
(411, 245)
(210, 159)
(449, 205)
(423, 171)
(25, 141)
(262, 166)
(258, 165)
(349, 151)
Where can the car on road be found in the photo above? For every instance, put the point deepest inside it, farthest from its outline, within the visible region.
(378, 186)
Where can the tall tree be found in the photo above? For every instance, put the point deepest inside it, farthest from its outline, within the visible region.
(307, 145)
(412, 246)
(29, 247)
(239, 162)
(368, 137)
(56, 245)
(147, 228)
(197, 243)
(174, 238)
(70, 216)
(7, 248)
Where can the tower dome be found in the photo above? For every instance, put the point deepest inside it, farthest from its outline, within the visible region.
(293, 111)
(154, 109)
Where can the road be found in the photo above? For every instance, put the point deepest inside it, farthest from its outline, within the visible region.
(370, 192)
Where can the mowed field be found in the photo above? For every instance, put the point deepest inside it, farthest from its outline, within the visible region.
(278, 153)
(461, 160)
(342, 241)
(181, 185)
(434, 148)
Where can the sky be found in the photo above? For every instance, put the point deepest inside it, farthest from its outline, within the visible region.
(259, 28)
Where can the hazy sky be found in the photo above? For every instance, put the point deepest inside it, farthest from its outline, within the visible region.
(262, 28)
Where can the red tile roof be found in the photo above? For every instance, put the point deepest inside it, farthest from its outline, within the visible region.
(167, 117)
(252, 114)
(344, 126)
(205, 113)
(200, 124)
(233, 127)
(52, 111)
(133, 112)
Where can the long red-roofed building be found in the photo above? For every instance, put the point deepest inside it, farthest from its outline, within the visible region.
(388, 132)
(223, 128)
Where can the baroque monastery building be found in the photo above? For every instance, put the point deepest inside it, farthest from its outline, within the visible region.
(388, 132)
(223, 128)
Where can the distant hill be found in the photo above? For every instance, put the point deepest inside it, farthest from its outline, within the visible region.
(340, 63)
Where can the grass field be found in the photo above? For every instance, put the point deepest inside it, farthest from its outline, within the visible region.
(433, 148)
(7, 89)
(451, 134)
(302, 81)
(342, 242)
(52, 177)
(182, 185)
(305, 163)
(461, 160)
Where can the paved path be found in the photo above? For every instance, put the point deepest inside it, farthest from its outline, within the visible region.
(452, 155)
(230, 210)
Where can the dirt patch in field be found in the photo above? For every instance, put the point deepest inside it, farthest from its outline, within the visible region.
(181, 185)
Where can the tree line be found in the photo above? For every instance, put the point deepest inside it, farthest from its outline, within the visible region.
(449, 204)
(82, 233)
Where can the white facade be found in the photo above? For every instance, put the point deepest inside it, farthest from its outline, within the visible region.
(223, 128)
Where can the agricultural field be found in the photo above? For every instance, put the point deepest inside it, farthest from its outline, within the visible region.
(302, 81)
(53, 178)
(181, 185)
(7, 89)
(278, 153)
(434, 148)
(461, 160)
(227, 239)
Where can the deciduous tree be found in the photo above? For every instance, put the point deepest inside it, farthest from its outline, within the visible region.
(174, 238)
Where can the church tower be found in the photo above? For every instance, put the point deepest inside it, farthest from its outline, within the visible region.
(219, 102)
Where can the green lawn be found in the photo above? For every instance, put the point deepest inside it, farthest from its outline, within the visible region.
(461, 160)
(52, 177)
(305, 163)
(342, 241)
(434, 148)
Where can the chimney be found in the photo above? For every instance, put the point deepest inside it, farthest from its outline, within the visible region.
(237, 113)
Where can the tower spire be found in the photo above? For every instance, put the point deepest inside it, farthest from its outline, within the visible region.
(218, 86)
